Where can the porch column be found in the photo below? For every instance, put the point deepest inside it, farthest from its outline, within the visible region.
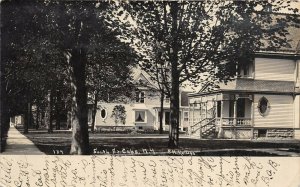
(252, 116)
(234, 117)
(201, 108)
(206, 109)
(193, 122)
(220, 134)
(200, 129)
(234, 112)
(222, 109)
(193, 118)
(189, 129)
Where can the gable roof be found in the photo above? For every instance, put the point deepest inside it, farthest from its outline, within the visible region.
(142, 79)
(293, 37)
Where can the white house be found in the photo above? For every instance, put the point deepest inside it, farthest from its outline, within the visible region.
(142, 112)
(263, 100)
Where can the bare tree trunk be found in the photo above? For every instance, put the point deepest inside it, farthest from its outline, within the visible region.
(4, 111)
(174, 127)
(69, 119)
(37, 119)
(69, 111)
(161, 112)
(80, 137)
(43, 116)
(94, 111)
(27, 119)
(50, 116)
(57, 109)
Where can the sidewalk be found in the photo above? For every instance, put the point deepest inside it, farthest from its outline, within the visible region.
(18, 144)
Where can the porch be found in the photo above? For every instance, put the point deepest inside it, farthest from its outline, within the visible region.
(222, 115)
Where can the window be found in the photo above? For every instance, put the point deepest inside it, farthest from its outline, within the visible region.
(140, 116)
(262, 133)
(103, 113)
(167, 99)
(246, 70)
(90, 116)
(185, 116)
(263, 106)
(218, 109)
(139, 97)
(167, 118)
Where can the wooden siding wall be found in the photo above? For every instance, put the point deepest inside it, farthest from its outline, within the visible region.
(109, 121)
(298, 75)
(298, 70)
(281, 114)
(274, 69)
(297, 111)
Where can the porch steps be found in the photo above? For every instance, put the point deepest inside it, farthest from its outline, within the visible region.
(208, 129)
(209, 132)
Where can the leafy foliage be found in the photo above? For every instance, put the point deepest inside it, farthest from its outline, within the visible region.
(201, 42)
(62, 45)
(119, 114)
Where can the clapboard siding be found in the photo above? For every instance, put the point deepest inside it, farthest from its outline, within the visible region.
(297, 111)
(298, 76)
(281, 114)
(274, 69)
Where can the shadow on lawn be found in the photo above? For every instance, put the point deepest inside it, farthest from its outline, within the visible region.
(60, 143)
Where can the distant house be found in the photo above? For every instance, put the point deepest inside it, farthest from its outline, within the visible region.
(142, 112)
(17, 121)
(263, 100)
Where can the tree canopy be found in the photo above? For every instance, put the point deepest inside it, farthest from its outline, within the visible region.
(62, 45)
(200, 41)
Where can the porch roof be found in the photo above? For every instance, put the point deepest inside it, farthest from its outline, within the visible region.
(251, 85)
(254, 86)
(139, 106)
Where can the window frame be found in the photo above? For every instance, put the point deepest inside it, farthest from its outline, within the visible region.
(103, 118)
(185, 117)
(167, 119)
(140, 97)
(167, 99)
(135, 116)
(267, 107)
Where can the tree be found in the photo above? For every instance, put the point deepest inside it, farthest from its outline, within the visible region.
(119, 114)
(110, 75)
(60, 37)
(160, 74)
(201, 41)
(26, 59)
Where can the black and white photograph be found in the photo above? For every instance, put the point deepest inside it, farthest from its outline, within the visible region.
(206, 80)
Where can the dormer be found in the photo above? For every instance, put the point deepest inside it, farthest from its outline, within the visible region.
(246, 70)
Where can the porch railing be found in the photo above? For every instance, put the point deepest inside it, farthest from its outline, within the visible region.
(230, 121)
(205, 127)
(197, 125)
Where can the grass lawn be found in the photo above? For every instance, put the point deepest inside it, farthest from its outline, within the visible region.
(126, 144)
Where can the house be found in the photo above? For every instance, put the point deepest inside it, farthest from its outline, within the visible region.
(16, 121)
(262, 101)
(141, 112)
